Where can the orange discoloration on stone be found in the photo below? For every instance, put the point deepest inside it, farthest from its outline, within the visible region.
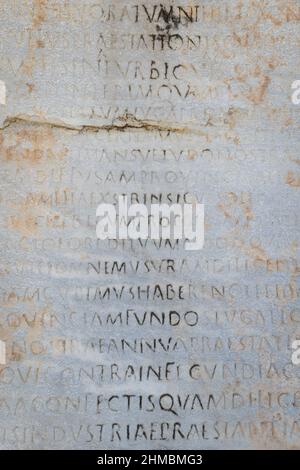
(239, 212)
(31, 145)
(289, 122)
(29, 63)
(33, 332)
(30, 87)
(39, 13)
(24, 222)
(40, 44)
(255, 93)
(258, 93)
(39, 17)
(293, 180)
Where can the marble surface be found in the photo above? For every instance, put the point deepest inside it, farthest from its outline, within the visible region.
(143, 344)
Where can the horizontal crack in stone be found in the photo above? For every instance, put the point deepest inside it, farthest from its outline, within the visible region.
(122, 124)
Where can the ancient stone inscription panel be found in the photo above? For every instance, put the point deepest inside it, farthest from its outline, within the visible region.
(141, 343)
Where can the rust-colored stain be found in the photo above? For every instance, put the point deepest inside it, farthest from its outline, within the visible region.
(32, 145)
(33, 332)
(30, 87)
(39, 17)
(29, 63)
(253, 88)
(293, 180)
(237, 210)
(39, 13)
(261, 258)
(40, 44)
(258, 93)
(236, 76)
(25, 223)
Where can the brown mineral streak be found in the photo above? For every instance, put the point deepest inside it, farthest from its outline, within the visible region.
(229, 210)
(293, 180)
(32, 145)
(30, 87)
(257, 253)
(34, 333)
(24, 223)
(39, 17)
(39, 140)
(283, 13)
(258, 94)
(39, 13)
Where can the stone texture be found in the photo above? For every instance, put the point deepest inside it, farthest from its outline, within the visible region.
(187, 101)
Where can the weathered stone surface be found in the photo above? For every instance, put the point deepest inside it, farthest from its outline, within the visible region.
(179, 101)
